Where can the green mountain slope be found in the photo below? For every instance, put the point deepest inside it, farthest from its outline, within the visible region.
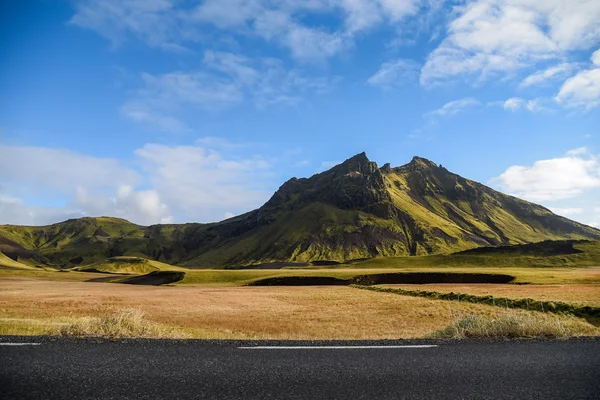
(354, 210)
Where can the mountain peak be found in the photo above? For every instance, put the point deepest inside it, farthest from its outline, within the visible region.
(422, 162)
(358, 163)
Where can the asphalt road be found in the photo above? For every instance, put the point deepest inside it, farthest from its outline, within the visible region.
(145, 369)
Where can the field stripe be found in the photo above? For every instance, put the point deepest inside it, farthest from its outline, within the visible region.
(20, 344)
(425, 346)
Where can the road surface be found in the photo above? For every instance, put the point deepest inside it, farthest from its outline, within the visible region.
(38, 368)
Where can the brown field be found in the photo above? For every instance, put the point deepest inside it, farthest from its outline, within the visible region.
(586, 294)
(34, 306)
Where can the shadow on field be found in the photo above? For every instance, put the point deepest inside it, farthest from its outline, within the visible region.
(380, 279)
(155, 278)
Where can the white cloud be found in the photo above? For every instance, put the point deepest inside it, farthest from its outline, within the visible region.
(395, 73)
(202, 184)
(513, 104)
(499, 37)
(554, 179)
(583, 89)
(154, 21)
(282, 21)
(60, 169)
(225, 80)
(454, 107)
(560, 71)
(595, 221)
(578, 152)
(14, 211)
(565, 212)
(517, 103)
(191, 183)
(535, 105)
(91, 184)
(596, 58)
(169, 24)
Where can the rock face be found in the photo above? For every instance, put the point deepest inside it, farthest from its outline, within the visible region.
(354, 210)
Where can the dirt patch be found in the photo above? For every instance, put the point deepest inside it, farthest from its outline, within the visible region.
(100, 232)
(155, 278)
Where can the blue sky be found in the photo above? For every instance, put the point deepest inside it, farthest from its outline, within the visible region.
(181, 110)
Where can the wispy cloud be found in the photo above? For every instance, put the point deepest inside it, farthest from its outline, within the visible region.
(168, 24)
(225, 80)
(395, 73)
(517, 103)
(454, 107)
(556, 72)
(157, 22)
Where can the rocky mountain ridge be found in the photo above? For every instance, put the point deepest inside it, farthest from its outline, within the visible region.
(354, 210)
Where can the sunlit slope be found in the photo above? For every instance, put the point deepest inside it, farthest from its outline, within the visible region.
(354, 210)
(128, 265)
(10, 263)
(72, 242)
(450, 212)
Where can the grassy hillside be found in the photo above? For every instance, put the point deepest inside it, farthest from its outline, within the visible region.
(355, 210)
(7, 262)
(127, 265)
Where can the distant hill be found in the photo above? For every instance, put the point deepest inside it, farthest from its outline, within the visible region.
(354, 210)
(127, 265)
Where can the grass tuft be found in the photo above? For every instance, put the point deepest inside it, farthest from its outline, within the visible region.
(514, 325)
(125, 323)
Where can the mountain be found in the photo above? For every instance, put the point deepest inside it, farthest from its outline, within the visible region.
(354, 210)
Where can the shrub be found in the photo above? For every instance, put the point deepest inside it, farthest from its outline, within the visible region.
(515, 325)
(125, 323)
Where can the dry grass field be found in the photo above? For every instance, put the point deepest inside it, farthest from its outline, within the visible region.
(37, 306)
(579, 294)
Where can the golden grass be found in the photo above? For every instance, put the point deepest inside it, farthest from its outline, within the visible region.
(124, 323)
(30, 306)
(579, 294)
(514, 324)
